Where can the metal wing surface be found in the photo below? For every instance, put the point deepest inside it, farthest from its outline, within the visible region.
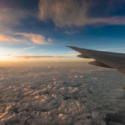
(103, 59)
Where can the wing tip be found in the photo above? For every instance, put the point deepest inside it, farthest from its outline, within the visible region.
(72, 47)
(69, 46)
(75, 48)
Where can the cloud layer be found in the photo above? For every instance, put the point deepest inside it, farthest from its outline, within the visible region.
(38, 56)
(60, 96)
(35, 56)
(73, 13)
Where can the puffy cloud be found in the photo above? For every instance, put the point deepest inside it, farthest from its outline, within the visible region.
(73, 13)
(48, 67)
(36, 38)
(5, 38)
(40, 96)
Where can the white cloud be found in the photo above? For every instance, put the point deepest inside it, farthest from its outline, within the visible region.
(72, 13)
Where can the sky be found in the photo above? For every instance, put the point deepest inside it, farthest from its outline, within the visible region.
(41, 29)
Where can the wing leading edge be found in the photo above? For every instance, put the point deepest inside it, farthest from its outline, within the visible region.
(103, 59)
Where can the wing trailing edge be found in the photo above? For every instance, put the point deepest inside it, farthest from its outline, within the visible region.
(97, 63)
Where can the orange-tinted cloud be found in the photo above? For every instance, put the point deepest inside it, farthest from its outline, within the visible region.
(39, 56)
(35, 56)
(7, 38)
(35, 38)
(72, 13)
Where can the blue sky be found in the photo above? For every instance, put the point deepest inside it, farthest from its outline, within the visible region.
(44, 27)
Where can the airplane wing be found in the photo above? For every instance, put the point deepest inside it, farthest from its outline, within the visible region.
(103, 59)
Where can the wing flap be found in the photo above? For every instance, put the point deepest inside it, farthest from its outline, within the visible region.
(121, 71)
(96, 63)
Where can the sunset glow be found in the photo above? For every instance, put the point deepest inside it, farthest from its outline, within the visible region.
(36, 31)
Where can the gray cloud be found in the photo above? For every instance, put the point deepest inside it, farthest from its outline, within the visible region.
(73, 13)
(10, 17)
(50, 96)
